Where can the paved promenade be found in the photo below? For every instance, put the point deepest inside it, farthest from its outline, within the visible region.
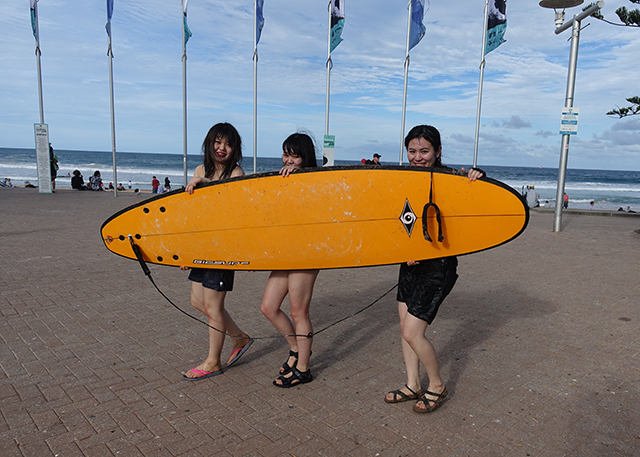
(539, 345)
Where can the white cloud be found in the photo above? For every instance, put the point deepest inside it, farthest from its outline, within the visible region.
(523, 92)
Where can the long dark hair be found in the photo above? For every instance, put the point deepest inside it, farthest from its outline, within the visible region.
(301, 145)
(221, 131)
(430, 134)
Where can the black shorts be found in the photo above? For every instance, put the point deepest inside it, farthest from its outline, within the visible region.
(220, 280)
(424, 287)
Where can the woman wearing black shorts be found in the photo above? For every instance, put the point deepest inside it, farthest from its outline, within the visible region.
(422, 288)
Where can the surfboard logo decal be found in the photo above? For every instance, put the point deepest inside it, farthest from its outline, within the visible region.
(221, 262)
(408, 217)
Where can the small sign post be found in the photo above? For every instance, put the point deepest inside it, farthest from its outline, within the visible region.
(42, 158)
(328, 150)
(569, 120)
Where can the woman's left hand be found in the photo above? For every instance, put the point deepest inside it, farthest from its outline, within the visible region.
(474, 173)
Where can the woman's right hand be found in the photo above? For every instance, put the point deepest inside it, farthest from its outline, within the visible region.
(194, 182)
(287, 170)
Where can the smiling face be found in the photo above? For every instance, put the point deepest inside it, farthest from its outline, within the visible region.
(291, 159)
(421, 153)
(222, 150)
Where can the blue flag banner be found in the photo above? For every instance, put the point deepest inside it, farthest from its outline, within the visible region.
(417, 29)
(109, 14)
(34, 19)
(337, 22)
(259, 19)
(187, 31)
(496, 24)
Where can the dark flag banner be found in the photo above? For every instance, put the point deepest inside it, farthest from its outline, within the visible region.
(187, 30)
(337, 22)
(496, 24)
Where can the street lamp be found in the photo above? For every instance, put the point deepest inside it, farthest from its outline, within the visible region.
(571, 82)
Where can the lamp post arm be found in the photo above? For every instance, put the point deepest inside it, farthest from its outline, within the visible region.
(579, 17)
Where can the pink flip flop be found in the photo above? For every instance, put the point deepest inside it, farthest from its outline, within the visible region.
(203, 374)
(235, 355)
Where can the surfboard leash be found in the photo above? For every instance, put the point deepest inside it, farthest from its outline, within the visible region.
(147, 272)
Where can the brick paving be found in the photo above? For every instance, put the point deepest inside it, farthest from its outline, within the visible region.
(538, 345)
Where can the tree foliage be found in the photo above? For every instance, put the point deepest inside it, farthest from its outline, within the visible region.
(629, 18)
(627, 111)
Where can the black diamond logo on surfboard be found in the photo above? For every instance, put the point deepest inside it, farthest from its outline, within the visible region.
(408, 217)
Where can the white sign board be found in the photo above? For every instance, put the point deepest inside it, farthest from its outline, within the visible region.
(42, 158)
(569, 120)
(328, 150)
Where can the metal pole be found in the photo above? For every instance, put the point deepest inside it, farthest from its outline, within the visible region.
(406, 77)
(255, 89)
(482, 65)
(38, 53)
(184, 99)
(571, 82)
(113, 121)
(329, 65)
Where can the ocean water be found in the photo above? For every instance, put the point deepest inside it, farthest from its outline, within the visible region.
(607, 189)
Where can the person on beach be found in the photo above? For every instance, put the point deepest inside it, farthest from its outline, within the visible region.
(533, 197)
(298, 152)
(222, 149)
(95, 181)
(154, 185)
(7, 182)
(422, 287)
(53, 163)
(77, 181)
(167, 184)
(121, 187)
(565, 201)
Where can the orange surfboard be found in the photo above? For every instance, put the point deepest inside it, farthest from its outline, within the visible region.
(335, 217)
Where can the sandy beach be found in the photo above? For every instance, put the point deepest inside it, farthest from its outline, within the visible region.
(538, 345)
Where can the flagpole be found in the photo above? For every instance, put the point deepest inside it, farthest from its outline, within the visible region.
(480, 84)
(38, 53)
(406, 76)
(113, 120)
(255, 86)
(184, 95)
(329, 67)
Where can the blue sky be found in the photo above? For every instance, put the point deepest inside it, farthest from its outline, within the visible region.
(524, 83)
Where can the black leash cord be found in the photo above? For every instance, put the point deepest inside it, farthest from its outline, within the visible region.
(147, 272)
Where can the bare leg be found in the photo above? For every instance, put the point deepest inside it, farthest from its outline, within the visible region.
(411, 360)
(299, 286)
(274, 293)
(300, 293)
(211, 303)
(413, 333)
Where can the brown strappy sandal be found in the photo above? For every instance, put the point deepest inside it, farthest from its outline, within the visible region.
(428, 407)
(399, 396)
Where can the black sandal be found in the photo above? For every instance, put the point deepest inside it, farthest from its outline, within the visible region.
(399, 396)
(296, 377)
(285, 366)
(427, 401)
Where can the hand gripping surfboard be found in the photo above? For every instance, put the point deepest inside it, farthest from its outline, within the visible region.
(335, 217)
